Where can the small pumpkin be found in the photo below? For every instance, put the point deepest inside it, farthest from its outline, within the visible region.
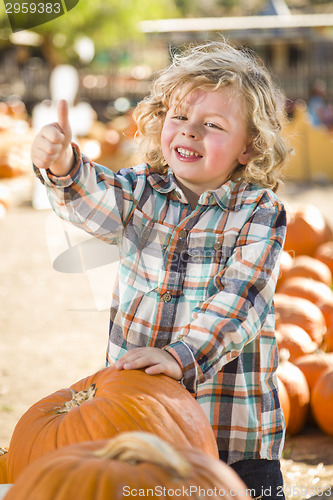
(3, 465)
(314, 365)
(132, 464)
(295, 339)
(109, 402)
(301, 312)
(298, 392)
(309, 267)
(307, 228)
(322, 402)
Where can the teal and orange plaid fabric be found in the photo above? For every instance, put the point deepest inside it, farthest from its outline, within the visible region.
(198, 283)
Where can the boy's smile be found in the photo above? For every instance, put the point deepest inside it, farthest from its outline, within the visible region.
(204, 138)
(187, 154)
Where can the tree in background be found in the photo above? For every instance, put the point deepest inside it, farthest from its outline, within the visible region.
(109, 23)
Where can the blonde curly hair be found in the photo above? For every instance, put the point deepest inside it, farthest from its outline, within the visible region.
(211, 66)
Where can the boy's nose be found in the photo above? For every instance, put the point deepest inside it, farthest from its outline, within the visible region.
(190, 131)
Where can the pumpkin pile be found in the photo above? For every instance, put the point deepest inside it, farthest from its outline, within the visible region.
(112, 430)
(304, 321)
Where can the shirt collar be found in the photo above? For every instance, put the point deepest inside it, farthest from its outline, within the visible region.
(163, 183)
(230, 196)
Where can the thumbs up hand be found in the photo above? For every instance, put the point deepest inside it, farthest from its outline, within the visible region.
(52, 145)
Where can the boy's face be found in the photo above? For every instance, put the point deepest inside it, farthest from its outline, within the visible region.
(204, 138)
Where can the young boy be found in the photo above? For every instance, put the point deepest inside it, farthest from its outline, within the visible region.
(200, 233)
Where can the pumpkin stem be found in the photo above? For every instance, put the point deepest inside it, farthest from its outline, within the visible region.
(284, 356)
(135, 447)
(78, 397)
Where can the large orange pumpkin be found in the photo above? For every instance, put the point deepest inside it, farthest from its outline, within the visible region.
(306, 229)
(322, 402)
(109, 402)
(301, 312)
(133, 464)
(308, 267)
(3, 466)
(314, 365)
(316, 291)
(298, 392)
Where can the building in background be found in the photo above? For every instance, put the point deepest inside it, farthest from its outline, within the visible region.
(298, 48)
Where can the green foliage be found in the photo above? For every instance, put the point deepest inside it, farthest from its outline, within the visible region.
(107, 22)
(110, 22)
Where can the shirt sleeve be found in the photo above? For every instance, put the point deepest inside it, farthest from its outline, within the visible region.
(235, 314)
(92, 197)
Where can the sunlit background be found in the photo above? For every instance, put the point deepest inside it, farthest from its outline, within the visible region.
(101, 56)
(117, 46)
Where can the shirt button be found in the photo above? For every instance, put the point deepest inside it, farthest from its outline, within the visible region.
(166, 297)
(183, 234)
(145, 234)
(217, 245)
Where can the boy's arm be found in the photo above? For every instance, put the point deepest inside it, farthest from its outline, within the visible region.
(88, 195)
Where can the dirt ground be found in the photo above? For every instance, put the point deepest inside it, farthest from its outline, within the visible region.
(51, 333)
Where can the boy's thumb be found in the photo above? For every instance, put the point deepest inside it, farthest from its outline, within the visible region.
(63, 120)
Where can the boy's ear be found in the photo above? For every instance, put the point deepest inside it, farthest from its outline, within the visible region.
(245, 155)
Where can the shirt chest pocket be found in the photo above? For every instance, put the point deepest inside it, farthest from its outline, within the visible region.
(208, 254)
(143, 255)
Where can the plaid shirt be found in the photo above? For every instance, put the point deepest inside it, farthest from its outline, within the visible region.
(197, 283)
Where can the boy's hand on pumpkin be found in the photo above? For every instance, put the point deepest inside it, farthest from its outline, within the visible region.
(155, 361)
(52, 145)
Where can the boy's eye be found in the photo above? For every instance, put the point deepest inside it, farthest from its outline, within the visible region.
(213, 125)
(180, 117)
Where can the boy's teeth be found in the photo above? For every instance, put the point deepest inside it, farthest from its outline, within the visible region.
(186, 152)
